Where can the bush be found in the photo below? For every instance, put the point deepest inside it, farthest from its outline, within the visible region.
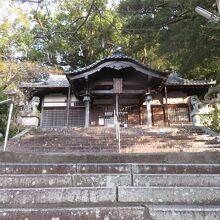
(3, 112)
(4, 109)
(215, 120)
(212, 120)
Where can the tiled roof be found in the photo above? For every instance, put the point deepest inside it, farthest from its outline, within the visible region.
(60, 81)
(117, 56)
(175, 79)
(51, 81)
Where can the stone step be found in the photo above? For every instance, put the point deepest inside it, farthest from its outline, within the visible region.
(167, 195)
(35, 181)
(122, 194)
(65, 142)
(102, 139)
(25, 196)
(104, 168)
(108, 180)
(103, 149)
(68, 168)
(37, 168)
(176, 168)
(64, 180)
(135, 168)
(66, 146)
(184, 212)
(113, 211)
(101, 212)
(101, 180)
(48, 150)
(178, 180)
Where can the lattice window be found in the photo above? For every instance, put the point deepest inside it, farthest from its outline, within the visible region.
(77, 117)
(54, 117)
(178, 113)
(157, 114)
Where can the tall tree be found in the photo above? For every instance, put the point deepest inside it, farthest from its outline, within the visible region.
(74, 33)
(177, 37)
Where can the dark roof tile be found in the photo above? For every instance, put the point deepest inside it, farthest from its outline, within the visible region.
(52, 81)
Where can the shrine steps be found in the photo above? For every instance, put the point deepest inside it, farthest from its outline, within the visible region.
(87, 212)
(103, 140)
(115, 212)
(104, 191)
(106, 180)
(184, 212)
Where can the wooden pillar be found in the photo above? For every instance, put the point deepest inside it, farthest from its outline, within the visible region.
(42, 112)
(87, 114)
(117, 108)
(148, 109)
(141, 116)
(139, 112)
(68, 106)
(87, 100)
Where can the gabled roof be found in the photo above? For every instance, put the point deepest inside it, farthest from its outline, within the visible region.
(116, 61)
(175, 80)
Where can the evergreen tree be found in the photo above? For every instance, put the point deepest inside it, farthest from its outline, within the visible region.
(177, 37)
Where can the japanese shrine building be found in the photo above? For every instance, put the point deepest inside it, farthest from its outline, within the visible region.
(116, 85)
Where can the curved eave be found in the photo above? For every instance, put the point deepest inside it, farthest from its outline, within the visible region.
(117, 64)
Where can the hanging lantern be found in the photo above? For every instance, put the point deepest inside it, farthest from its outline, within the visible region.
(86, 98)
(149, 97)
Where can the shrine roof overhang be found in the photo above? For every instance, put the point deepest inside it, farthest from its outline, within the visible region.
(190, 89)
(53, 83)
(43, 90)
(193, 85)
(116, 62)
(40, 87)
(174, 80)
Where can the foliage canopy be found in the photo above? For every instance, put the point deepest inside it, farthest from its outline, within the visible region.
(66, 35)
(51, 36)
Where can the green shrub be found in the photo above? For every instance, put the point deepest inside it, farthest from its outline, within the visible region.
(212, 120)
(4, 110)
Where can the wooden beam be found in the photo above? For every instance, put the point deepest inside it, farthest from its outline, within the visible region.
(125, 91)
(131, 83)
(134, 91)
(110, 83)
(110, 91)
(68, 106)
(100, 83)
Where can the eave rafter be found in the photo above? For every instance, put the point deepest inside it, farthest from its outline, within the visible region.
(117, 62)
(117, 65)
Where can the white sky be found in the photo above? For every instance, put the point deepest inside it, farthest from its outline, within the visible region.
(7, 13)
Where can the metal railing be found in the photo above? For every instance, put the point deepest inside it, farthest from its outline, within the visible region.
(9, 121)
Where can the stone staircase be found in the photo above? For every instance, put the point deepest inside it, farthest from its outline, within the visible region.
(102, 140)
(109, 191)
